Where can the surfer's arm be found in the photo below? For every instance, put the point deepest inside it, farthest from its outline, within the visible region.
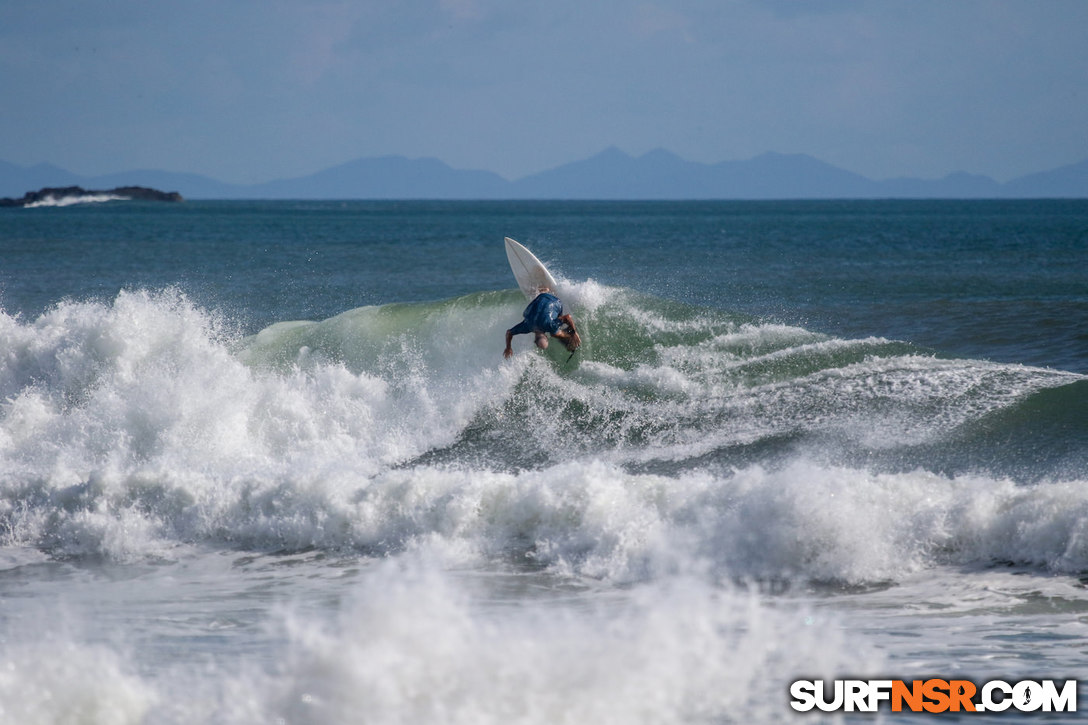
(570, 336)
(509, 350)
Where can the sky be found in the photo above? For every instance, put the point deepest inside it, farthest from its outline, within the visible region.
(247, 91)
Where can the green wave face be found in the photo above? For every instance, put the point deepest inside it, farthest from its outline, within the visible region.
(663, 385)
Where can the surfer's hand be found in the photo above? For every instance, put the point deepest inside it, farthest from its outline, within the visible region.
(507, 352)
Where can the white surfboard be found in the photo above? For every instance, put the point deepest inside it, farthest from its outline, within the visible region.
(531, 275)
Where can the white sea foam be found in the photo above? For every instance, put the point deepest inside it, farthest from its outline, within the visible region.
(53, 678)
(411, 648)
(806, 520)
(134, 427)
(55, 201)
(410, 644)
(585, 296)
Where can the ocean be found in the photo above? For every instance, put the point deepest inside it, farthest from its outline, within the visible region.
(264, 462)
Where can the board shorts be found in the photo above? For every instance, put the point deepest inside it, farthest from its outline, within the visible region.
(542, 315)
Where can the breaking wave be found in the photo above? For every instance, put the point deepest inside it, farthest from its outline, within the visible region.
(679, 440)
(57, 201)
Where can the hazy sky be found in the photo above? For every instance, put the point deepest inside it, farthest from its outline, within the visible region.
(248, 90)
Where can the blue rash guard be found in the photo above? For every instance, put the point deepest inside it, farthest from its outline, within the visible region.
(542, 315)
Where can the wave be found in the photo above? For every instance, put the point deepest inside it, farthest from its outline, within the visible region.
(410, 645)
(679, 439)
(56, 201)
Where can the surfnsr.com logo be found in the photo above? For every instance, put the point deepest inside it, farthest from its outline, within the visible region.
(934, 695)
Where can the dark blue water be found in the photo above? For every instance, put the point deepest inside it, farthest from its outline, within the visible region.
(1000, 280)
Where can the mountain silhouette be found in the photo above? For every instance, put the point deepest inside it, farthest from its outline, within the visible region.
(610, 174)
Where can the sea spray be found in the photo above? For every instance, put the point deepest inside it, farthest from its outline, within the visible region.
(55, 678)
(411, 643)
(133, 427)
(411, 647)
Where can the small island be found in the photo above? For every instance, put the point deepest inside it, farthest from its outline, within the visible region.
(67, 195)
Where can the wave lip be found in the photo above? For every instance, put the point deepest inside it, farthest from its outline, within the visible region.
(58, 201)
(70, 195)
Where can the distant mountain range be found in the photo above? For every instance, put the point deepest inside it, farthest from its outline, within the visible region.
(611, 174)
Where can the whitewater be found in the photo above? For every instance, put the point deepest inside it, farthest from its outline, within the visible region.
(210, 514)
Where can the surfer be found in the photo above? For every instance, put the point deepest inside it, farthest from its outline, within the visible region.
(544, 316)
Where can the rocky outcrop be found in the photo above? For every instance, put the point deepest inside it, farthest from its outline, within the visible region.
(59, 196)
